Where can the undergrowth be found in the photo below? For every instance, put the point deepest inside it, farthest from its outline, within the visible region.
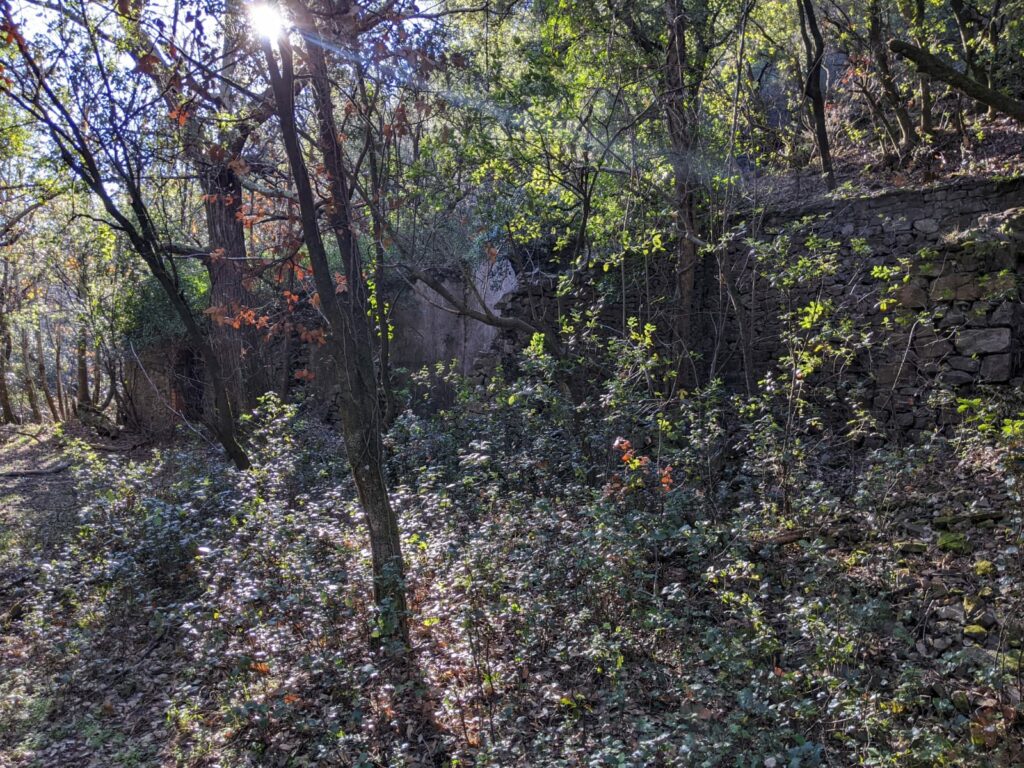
(630, 579)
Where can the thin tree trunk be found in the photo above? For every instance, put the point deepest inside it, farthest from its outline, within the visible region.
(26, 375)
(125, 411)
(351, 336)
(814, 48)
(879, 114)
(682, 131)
(41, 377)
(378, 194)
(908, 136)
(927, 122)
(82, 368)
(916, 13)
(7, 414)
(967, 27)
(62, 405)
(97, 378)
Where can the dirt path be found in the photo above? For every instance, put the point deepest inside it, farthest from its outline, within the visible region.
(79, 681)
(35, 509)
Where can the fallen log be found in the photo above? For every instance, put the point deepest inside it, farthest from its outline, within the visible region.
(34, 472)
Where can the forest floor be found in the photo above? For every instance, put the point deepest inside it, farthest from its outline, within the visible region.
(993, 151)
(60, 702)
(162, 609)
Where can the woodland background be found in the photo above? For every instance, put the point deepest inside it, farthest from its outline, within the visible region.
(511, 383)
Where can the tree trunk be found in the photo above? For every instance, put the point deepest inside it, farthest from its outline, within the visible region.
(908, 136)
(967, 25)
(97, 378)
(41, 376)
(930, 65)
(918, 22)
(7, 414)
(26, 375)
(680, 115)
(62, 404)
(245, 378)
(378, 194)
(814, 49)
(351, 336)
(82, 368)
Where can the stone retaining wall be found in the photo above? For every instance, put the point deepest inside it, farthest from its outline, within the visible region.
(955, 322)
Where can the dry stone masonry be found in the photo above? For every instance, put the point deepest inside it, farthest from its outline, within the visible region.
(938, 286)
(933, 274)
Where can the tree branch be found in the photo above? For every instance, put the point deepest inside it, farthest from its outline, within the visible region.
(930, 65)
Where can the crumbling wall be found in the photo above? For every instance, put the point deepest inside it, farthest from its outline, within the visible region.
(950, 323)
(955, 323)
(427, 331)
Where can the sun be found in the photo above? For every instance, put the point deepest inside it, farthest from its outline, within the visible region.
(267, 21)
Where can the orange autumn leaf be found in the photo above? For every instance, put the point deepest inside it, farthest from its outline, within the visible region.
(179, 115)
(261, 667)
(666, 479)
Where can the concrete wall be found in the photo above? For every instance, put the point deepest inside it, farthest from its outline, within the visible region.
(427, 332)
(162, 386)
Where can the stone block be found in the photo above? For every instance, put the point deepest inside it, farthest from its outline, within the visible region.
(933, 266)
(904, 419)
(996, 368)
(887, 375)
(983, 341)
(898, 224)
(968, 364)
(912, 295)
(947, 416)
(998, 285)
(956, 287)
(931, 348)
(924, 418)
(977, 315)
(951, 318)
(952, 378)
(1003, 315)
(926, 226)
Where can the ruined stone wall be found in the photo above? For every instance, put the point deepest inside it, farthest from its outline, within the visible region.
(164, 389)
(956, 322)
(160, 391)
(947, 319)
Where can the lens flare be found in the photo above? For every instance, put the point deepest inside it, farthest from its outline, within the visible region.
(267, 21)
